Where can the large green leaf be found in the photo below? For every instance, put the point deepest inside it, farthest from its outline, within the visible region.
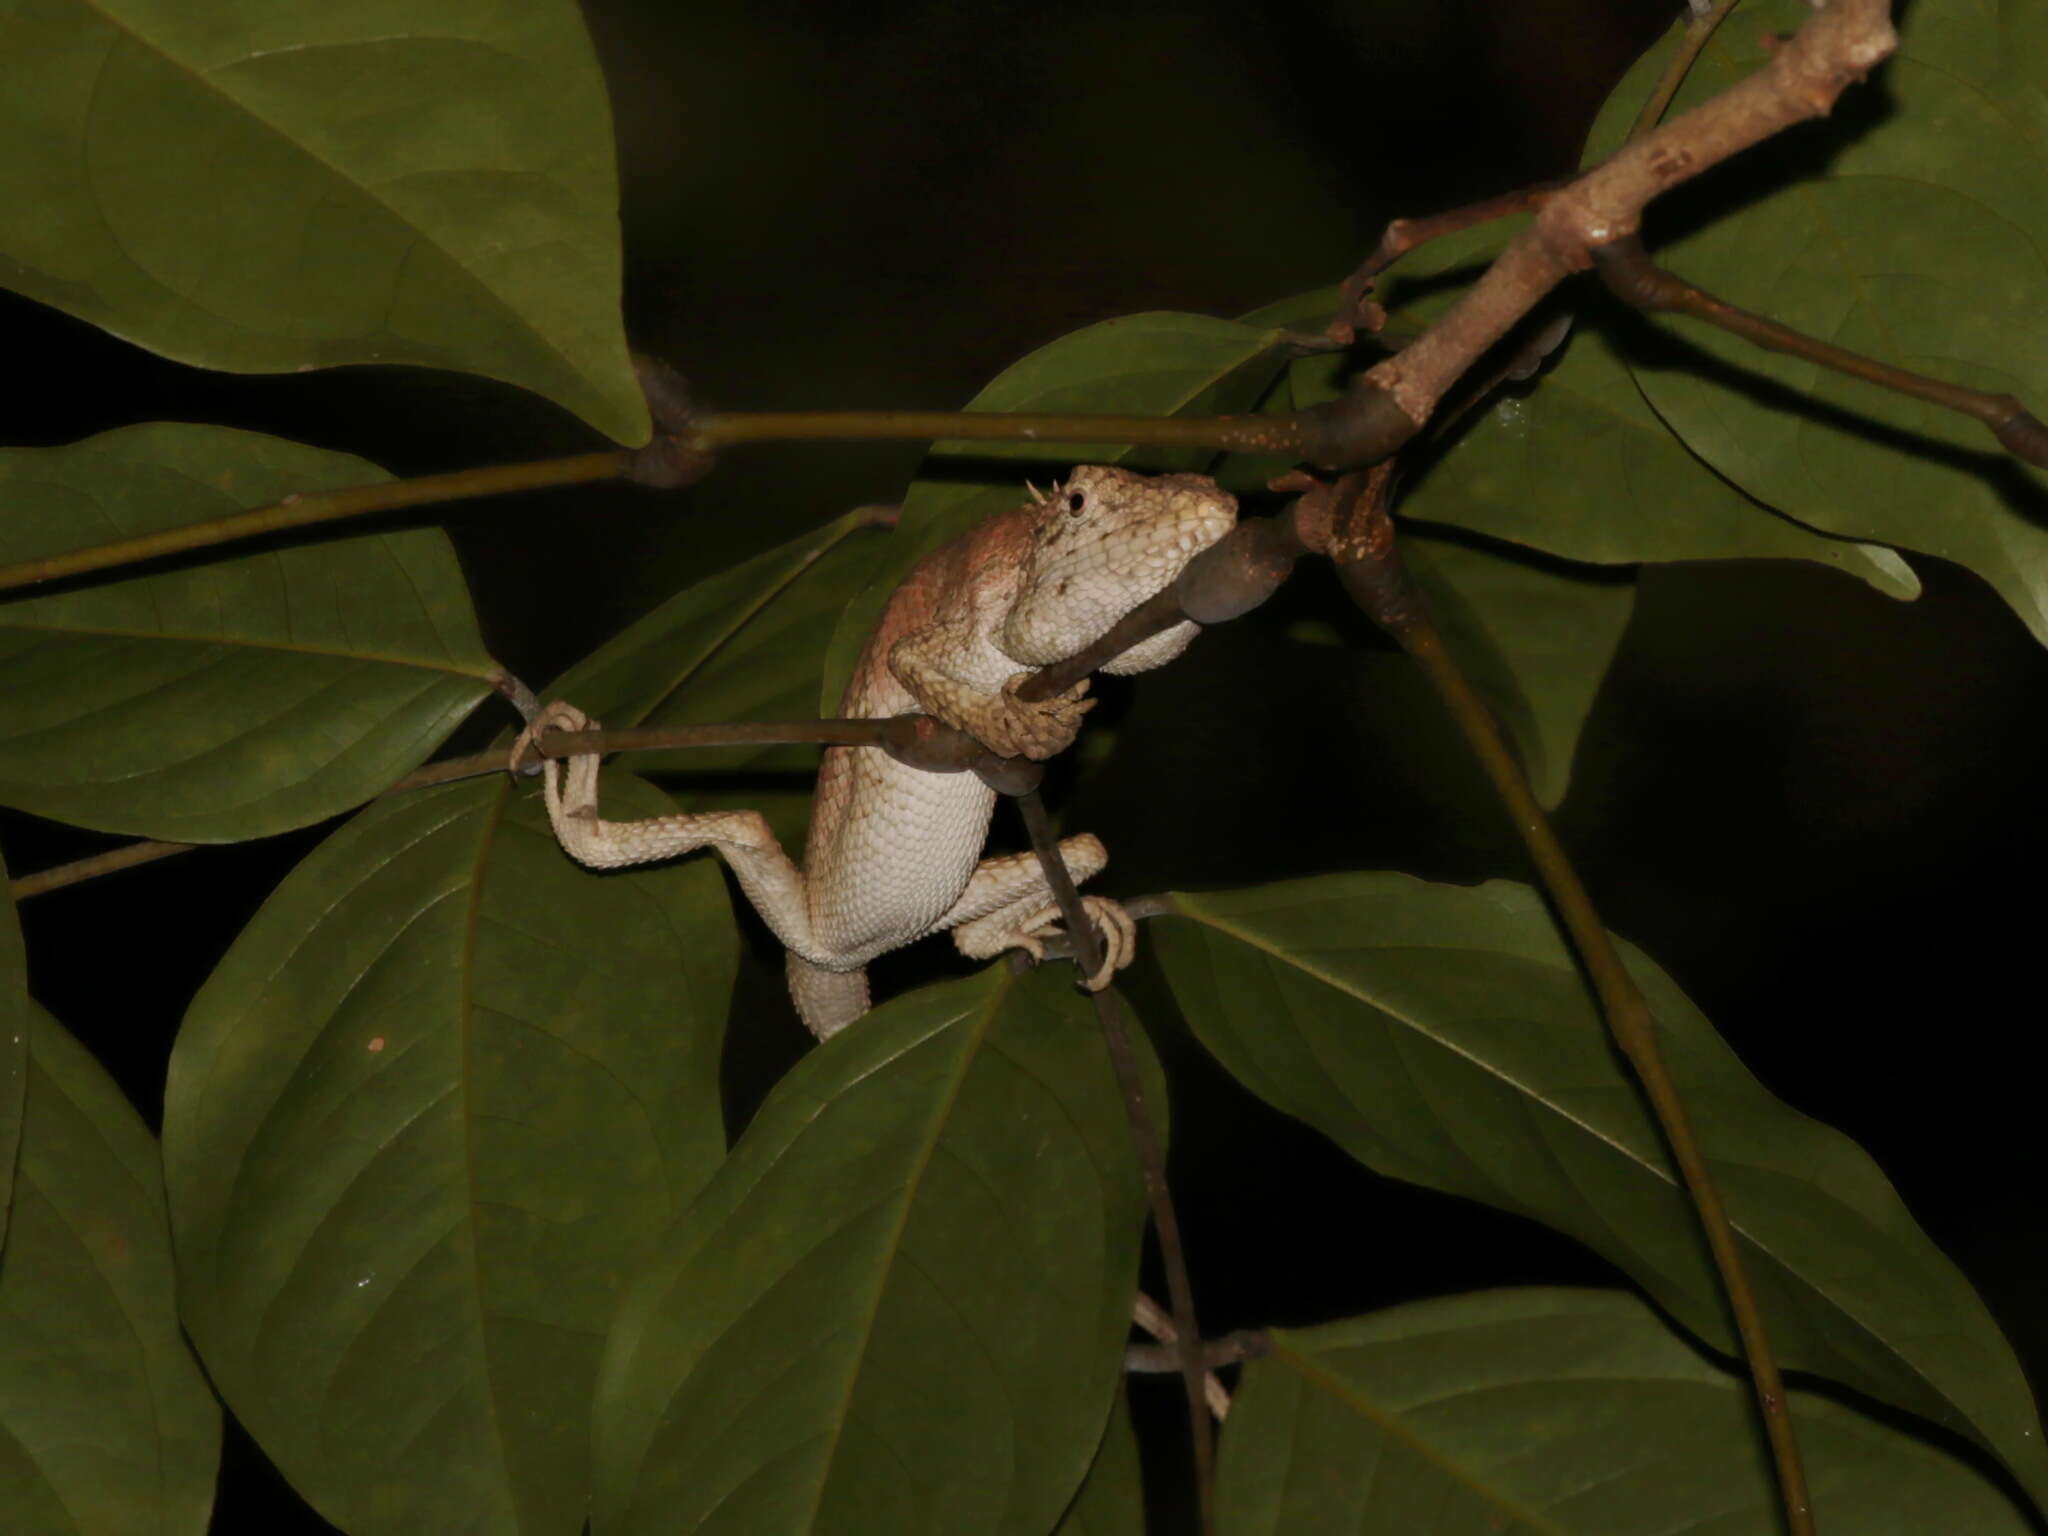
(1443, 1035)
(14, 1025)
(1553, 1413)
(901, 1304)
(1535, 639)
(1112, 1497)
(1158, 364)
(1576, 463)
(228, 700)
(425, 1115)
(1921, 244)
(745, 644)
(263, 187)
(106, 1423)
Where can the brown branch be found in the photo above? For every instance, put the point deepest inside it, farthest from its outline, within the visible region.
(1635, 279)
(745, 733)
(1226, 580)
(1838, 45)
(1404, 235)
(1250, 434)
(1145, 1139)
(1369, 564)
(1158, 1322)
(918, 740)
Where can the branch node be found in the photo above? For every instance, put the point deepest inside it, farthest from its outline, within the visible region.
(2023, 435)
(672, 458)
(1362, 547)
(1361, 429)
(1625, 267)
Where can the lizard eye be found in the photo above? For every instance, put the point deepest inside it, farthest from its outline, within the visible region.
(1075, 503)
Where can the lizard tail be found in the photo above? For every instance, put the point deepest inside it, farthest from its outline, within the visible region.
(827, 1001)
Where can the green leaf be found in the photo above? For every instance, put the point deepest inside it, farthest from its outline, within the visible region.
(1442, 1035)
(106, 1423)
(1159, 364)
(424, 1116)
(1112, 1497)
(14, 1006)
(1534, 639)
(1920, 243)
(745, 644)
(230, 700)
(901, 1304)
(1575, 463)
(1553, 1413)
(262, 188)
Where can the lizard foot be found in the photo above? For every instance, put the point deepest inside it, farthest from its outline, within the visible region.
(558, 715)
(1117, 928)
(1012, 728)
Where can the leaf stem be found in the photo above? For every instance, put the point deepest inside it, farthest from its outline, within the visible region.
(1145, 1139)
(310, 507)
(1625, 266)
(1405, 615)
(1253, 434)
(1698, 29)
(127, 856)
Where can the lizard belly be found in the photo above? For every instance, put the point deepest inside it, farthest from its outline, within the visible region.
(898, 847)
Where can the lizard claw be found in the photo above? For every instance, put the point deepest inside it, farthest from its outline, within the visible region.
(1036, 731)
(558, 715)
(1117, 929)
(1119, 932)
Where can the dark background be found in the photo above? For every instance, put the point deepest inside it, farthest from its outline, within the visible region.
(1816, 807)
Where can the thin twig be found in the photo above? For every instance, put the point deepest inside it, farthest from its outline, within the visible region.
(1250, 434)
(1233, 1348)
(1257, 434)
(744, 733)
(1838, 45)
(310, 507)
(1697, 30)
(130, 855)
(1404, 235)
(1158, 1322)
(127, 856)
(1371, 569)
(1634, 278)
(918, 740)
(1145, 1138)
(1629, 1021)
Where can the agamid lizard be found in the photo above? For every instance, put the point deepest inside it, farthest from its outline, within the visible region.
(894, 852)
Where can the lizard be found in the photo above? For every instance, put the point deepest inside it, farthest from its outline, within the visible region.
(894, 852)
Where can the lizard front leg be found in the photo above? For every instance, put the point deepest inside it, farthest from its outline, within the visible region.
(772, 882)
(947, 670)
(1008, 905)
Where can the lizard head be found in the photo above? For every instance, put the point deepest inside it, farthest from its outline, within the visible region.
(1103, 542)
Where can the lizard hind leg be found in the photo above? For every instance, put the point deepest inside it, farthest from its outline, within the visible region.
(1008, 906)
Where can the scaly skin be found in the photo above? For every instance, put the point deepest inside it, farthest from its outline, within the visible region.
(894, 852)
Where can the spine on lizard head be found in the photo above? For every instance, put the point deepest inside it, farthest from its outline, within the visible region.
(1109, 540)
